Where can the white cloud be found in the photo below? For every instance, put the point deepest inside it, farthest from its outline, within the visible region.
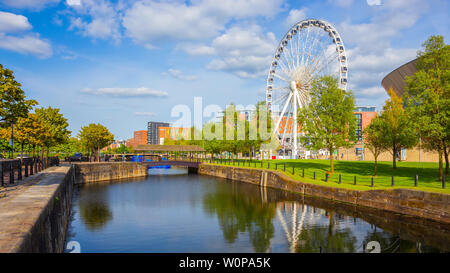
(125, 92)
(145, 114)
(374, 2)
(29, 4)
(373, 91)
(342, 3)
(243, 51)
(73, 2)
(148, 21)
(389, 59)
(97, 19)
(28, 44)
(197, 49)
(10, 23)
(372, 56)
(295, 15)
(13, 38)
(179, 75)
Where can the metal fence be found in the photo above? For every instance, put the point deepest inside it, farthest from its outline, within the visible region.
(12, 170)
(325, 176)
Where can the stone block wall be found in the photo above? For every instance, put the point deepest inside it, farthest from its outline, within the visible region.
(434, 206)
(104, 171)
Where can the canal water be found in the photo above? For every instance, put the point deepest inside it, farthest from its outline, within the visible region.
(172, 211)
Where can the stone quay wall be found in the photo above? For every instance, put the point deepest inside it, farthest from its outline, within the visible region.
(35, 217)
(105, 171)
(429, 205)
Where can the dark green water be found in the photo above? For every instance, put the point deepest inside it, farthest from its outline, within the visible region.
(170, 211)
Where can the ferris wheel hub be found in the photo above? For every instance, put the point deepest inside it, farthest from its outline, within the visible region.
(294, 85)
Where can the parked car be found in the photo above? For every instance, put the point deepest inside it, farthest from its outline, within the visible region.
(23, 156)
(75, 157)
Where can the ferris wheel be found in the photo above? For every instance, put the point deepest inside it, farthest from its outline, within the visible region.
(310, 49)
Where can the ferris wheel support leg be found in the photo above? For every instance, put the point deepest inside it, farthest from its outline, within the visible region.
(282, 113)
(294, 133)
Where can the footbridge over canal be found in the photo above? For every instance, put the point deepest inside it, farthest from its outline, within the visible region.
(174, 155)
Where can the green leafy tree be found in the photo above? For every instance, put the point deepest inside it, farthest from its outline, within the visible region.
(56, 124)
(374, 139)
(428, 98)
(328, 121)
(95, 137)
(13, 103)
(31, 130)
(398, 129)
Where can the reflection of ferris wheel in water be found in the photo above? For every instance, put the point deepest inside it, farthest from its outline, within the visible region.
(310, 49)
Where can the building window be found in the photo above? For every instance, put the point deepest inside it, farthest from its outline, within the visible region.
(358, 151)
(359, 126)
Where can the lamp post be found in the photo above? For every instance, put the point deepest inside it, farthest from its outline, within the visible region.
(11, 140)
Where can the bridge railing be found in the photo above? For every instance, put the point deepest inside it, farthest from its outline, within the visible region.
(12, 170)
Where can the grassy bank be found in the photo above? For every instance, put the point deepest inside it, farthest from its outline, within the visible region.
(306, 170)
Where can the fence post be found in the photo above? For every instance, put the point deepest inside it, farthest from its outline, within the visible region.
(314, 175)
(268, 165)
(354, 182)
(443, 181)
(19, 176)
(11, 173)
(261, 164)
(392, 182)
(293, 170)
(416, 178)
(284, 165)
(371, 183)
(339, 179)
(1, 174)
(26, 169)
(303, 173)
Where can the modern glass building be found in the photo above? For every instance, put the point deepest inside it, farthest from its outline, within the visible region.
(153, 131)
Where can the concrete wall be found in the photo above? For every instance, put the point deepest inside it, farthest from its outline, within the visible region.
(104, 171)
(412, 155)
(36, 218)
(428, 205)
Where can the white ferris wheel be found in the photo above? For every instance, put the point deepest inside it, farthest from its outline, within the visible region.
(310, 49)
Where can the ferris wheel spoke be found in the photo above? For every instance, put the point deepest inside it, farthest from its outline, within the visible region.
(280, 98)
(320, 68)
(312, 51)
(286, 124)
(281, 78)
(282, 112)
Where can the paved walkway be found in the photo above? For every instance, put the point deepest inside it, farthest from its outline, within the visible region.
(22, 204)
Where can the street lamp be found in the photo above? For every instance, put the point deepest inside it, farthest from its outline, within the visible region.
(11, 140)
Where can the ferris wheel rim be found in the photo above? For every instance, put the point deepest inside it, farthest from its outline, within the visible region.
(334, 34)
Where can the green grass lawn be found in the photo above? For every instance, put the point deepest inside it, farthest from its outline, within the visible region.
(404, 175)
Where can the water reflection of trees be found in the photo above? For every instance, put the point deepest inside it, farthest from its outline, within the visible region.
(239, 209)
(94, 209)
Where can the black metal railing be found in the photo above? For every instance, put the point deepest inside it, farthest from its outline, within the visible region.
(12, 170)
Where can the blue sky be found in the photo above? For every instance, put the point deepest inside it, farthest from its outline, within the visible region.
(123, 63)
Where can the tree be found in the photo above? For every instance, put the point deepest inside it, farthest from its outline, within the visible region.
(428, 98)
(31, 130)
(13, 104)
(398, 129)
(328, 121)
(56, 125)
(374, 139)
(95, 137)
